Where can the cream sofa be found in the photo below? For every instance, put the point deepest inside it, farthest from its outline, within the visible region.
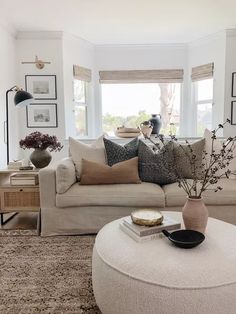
(86, 209)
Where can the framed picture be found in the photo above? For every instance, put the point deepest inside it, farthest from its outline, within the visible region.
(41, 86)
(233, 91)
(41, 116)
(233, 112)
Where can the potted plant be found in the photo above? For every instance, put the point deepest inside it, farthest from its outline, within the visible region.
(41, 157)
(214, 166)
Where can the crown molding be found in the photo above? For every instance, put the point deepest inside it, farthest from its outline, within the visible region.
(206, 39)
(231, 32)
(9, 28)
(39, 35)
(143, 46)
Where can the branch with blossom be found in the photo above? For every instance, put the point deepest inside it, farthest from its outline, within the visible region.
(211, 169)
(37, 140)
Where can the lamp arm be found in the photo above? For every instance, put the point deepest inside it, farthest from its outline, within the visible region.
(13, 89)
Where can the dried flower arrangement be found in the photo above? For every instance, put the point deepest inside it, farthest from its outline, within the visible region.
(213, 167)
(40, 141)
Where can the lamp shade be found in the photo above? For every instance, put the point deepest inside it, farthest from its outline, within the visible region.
(22, 98)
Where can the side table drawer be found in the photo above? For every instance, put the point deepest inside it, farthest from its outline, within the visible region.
(20, 197)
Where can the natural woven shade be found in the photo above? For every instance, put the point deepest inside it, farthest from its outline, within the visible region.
(142, 76)
(82, 74)
(202, 72)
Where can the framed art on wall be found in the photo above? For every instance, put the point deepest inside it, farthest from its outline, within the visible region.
(233, 91)
(41, 86)
(233, 112)
(41, 116)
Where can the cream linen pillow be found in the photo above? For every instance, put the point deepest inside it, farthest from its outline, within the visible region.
(92, 152)
(217, 148)
(65, 175)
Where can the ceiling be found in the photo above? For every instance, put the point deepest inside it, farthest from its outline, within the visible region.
(123, 21)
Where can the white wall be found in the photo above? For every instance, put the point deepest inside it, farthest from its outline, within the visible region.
(207, 50)
(7, 80)
(137, 57)
(48, 47)
(229, 130)
(77, 51)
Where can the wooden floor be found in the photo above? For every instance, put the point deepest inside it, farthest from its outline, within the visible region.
(21, 221)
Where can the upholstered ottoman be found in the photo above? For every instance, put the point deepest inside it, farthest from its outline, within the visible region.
(156, 277)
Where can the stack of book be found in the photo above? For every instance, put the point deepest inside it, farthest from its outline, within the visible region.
(14, 165)
(29, 179)
(143, 233)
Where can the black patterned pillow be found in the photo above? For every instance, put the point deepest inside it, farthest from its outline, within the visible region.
(117, 153)
(156, 167)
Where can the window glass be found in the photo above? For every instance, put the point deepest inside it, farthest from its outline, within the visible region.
(131, 104)
(205, 89)
(80, 108)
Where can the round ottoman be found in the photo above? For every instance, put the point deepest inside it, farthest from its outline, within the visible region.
(156, 277)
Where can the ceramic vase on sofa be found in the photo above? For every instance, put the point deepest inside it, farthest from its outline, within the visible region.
(40, 158)
(195, 214)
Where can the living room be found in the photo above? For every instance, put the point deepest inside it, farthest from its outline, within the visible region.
(135, 105)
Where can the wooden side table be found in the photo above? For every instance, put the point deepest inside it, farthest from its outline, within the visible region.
(15, 199)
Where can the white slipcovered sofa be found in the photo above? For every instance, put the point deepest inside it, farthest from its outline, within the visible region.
(85, 209)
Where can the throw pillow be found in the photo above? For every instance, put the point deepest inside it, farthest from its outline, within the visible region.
(182, 155)
(217, 147)
(116, 153)
(93, 152)
(65, 175)
(156, 166)
(120, 173)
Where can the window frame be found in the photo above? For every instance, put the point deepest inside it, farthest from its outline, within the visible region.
(197, 102)
(82, 104)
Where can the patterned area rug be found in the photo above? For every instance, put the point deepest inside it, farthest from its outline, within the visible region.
(45, 275)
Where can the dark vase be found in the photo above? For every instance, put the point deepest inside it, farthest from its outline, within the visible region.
(40, 158)
(156, 123)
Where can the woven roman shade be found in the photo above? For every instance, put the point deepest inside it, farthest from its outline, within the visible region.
(142, 76)
(202, 72)
(82, 74)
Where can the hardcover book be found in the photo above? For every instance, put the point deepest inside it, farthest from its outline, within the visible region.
(141, 231)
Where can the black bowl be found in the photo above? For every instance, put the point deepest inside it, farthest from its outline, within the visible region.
(185, 238)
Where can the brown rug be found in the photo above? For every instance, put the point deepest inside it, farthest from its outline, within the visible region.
(46, 275)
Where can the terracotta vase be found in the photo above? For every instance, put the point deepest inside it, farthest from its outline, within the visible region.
(40, 158)
(195, 214)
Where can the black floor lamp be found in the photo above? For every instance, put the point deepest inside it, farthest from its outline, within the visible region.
(21, 99)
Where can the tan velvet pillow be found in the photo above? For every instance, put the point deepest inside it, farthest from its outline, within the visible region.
(120, 173)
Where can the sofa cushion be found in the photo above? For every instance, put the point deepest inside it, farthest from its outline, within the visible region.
(134, 195)
(93, 152)
(183, 157)
(123, 172)
(176, 196)
(116, 153)
(156, 166)
(65, 175)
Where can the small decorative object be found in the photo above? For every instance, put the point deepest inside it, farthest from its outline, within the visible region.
(147, 217)
(40, 64)
(41, 86)
(185, 239)
(124, 132)
(233, 91)
(40, 157)
(205, 176)
(146, 128)
(156, 123)
(41, 116)
(233, 113)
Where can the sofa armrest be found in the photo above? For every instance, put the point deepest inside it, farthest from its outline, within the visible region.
(65, 175)
(47, 181)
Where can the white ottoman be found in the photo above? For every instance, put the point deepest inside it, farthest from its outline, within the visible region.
(156, 277)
